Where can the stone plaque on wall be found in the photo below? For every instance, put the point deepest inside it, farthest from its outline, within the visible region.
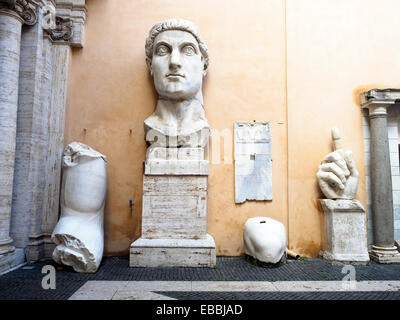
(253, 161)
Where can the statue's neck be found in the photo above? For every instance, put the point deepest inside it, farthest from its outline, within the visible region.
(175, 110)
(178, 111)
(178, 117)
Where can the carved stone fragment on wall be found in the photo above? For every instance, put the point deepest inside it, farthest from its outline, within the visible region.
(253, 161)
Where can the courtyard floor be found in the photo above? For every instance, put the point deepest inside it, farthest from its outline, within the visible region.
(233, 278)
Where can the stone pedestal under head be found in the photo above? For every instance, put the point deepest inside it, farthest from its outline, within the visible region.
(345, 237)
(79, 234)
(265, 239)
(174, 212)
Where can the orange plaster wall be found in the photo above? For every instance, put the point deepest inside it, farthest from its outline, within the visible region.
(111, 92)
(298, 64)
(335, 50)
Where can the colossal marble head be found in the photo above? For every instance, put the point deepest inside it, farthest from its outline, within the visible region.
(177, 58)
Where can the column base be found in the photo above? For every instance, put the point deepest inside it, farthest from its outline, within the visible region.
(397, 244)
(40, 247)
(385, 254)
(14, 258)
(359, 259)
(173, 253)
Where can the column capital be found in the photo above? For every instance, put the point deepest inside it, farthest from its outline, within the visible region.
(378, 100)
(25, 9)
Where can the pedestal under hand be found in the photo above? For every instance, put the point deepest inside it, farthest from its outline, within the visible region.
(345, 231)
(345, 236)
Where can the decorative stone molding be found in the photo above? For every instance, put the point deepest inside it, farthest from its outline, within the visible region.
(74, 11)
(62, 31)
(26, 9)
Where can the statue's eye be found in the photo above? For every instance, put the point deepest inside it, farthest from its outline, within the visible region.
(188, 50)
(162, 50)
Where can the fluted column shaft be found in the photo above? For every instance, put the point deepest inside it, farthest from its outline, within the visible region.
(10, 37)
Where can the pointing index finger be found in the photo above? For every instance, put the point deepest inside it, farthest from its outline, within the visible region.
(336, 139)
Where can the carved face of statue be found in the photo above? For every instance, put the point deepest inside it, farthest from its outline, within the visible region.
(177, 65)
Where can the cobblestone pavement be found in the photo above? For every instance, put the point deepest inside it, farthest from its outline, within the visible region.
(25, 283)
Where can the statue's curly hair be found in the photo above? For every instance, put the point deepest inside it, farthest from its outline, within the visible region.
(175, 24)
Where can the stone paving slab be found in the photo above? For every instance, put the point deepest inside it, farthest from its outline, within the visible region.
(25, 283)
(156, 290)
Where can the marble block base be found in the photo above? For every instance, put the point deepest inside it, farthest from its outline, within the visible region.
(174, 207)
(174, 211)
(385, 254)
(345, 231)
(173, 252)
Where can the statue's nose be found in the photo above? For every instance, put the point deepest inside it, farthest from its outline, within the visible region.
(175, 60)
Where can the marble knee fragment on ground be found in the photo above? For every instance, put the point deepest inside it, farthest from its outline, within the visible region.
(79, 234)
(264, 239)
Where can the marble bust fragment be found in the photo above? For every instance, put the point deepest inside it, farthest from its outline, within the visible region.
(265, 240)
(177, 59)
(337, 175)
(79, 233)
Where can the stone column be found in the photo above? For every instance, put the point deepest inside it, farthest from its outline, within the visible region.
(31, 147)
(56, 55)
(12, 15)
(377, 101)
(10, 34)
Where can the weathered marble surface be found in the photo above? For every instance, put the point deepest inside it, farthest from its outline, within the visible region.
(174, 207)
(253, 161)
(345, 237)
(162, 153)
(79, 234)
(10, 37)
(163, 252)
(337, 175)
(34, 72)
(174, 215)
(31, 138)
(345, 231)
(177, 58)
(174, 167)
(264, 239)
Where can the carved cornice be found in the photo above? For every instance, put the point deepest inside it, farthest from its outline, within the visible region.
(62, 31)
(378, 100)
(26, 9)
(68, 23)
